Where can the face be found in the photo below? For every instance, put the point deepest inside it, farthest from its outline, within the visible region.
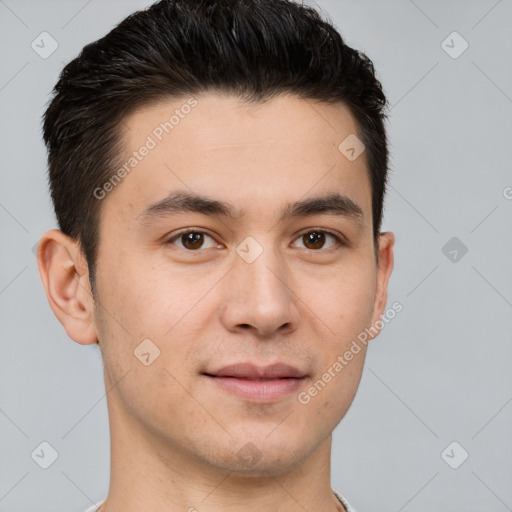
(236, 264)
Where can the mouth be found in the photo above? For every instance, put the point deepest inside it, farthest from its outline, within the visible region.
(258, 384)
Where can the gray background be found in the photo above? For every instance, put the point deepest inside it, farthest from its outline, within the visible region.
(438, 373)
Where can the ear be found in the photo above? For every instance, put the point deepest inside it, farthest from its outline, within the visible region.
(384, 268)
(65, 275)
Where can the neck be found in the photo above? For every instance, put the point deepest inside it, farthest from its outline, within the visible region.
(149, 473)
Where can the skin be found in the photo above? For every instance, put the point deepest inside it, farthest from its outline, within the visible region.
(175, 437)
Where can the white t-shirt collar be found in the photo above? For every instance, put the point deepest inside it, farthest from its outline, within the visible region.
(343, 500)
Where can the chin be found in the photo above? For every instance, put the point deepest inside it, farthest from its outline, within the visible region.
(262, 457)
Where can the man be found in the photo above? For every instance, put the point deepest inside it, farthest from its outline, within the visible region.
(218, 172)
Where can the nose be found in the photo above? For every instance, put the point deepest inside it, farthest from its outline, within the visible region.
(260, 297)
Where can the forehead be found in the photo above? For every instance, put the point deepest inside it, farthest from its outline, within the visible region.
(252, 155)
(219, 121)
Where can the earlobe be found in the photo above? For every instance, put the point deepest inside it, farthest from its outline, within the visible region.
(65, 278)
(384, 269)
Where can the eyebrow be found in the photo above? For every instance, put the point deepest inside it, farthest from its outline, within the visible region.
(181, 202)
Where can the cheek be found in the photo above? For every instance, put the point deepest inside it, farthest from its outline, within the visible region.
(134, 313)
(126, 313)
(140, 304)
(343, 301)
(340, 391)
(135, 301)
(334, 385)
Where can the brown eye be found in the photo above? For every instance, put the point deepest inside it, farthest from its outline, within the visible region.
(318, 239)
(314, 240)
(192, 240)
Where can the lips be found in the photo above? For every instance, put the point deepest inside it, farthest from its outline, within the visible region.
(251, 372)
(260, 384)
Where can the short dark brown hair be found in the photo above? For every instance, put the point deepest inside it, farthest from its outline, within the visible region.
(253, 49)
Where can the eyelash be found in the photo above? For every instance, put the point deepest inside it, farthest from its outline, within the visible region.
(340, 242)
